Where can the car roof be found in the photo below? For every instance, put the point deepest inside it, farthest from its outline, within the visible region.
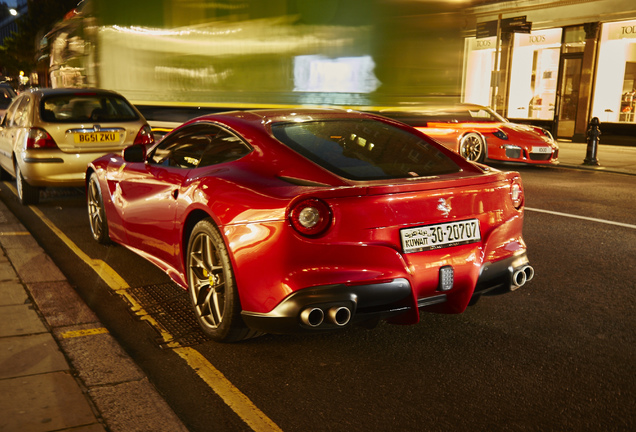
(267, 116)
(71, 91)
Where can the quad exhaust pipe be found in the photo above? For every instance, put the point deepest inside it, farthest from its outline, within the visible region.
(314, 316)
(340, 316)
(522, 275)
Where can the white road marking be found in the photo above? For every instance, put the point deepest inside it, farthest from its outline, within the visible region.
(604, 221)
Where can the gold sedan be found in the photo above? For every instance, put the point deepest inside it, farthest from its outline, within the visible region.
(49, 136)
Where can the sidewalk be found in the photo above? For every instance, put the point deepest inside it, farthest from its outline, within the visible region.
(60, 370)
(617, 159)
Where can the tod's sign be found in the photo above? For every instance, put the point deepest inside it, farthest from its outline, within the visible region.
(621, 30)
(541, 38)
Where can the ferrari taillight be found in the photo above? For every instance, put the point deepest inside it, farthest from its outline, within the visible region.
(311, 217)
(144, 136)
(39, 139)
(516, 193)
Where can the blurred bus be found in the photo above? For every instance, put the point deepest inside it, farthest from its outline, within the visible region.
(175, 55)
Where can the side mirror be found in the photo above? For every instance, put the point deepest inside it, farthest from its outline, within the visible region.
(134, 153)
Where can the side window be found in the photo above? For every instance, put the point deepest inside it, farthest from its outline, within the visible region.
(21, 117)
(198, 145)
(184, 148)
(224, 147)
(8, 121)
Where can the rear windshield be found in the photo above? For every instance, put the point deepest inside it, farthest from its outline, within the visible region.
(364, 149)
(80, 108)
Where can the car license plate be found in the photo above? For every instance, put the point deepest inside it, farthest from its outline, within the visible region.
(96, 137)
(439, 236)
(544, 150)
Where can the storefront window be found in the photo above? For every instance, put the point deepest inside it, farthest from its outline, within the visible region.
(533, 74)
(615, 87)
(573, 40)
(478, 67)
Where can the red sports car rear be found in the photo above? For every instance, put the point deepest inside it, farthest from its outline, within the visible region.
(310, 220)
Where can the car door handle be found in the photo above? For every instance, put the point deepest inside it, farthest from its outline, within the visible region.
(175, 193)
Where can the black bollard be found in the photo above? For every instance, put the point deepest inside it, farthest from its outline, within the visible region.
(593, 134)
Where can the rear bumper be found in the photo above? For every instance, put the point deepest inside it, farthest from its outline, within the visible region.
(55, 169)
(499, 277)
(364, 302)
(333, 307)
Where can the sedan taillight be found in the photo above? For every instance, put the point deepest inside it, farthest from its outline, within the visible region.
(516, 193)
(144, 136)
(40, 139)
(311, 217)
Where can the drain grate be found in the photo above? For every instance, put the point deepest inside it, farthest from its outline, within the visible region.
(170, 307)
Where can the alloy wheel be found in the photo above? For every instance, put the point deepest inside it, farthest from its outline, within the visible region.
(207, 280)
(472, 147)
(96, 214)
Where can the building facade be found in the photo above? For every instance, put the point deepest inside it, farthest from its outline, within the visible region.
(555, 63)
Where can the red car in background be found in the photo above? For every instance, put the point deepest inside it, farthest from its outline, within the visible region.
(479, 134)
(306, 220)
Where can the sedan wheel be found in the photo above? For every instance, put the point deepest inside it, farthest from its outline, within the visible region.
(26, 193)
(211, 285)
(96, 214)
(472, 147)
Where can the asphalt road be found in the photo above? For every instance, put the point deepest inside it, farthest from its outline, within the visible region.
(557, 354)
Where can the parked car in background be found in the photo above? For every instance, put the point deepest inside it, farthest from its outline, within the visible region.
(286, 221)
(48, 136)
(479, 134)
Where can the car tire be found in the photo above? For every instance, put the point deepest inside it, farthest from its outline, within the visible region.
(27, 194)
(472, 146)
(96, 214)
(212, 286)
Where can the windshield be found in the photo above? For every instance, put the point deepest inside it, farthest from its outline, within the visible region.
(364, 149)
(79, 108)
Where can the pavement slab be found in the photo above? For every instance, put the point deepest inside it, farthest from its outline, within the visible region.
(44, 402)
(18, 320)
(32, 264)
(132, 407)
(30, 355)
(12, 292)
(59, 304)
(97, 357)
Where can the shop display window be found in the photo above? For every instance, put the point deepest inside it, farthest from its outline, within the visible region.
(628, 98)
(534, 74)
(478, 67)
(615, 86)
